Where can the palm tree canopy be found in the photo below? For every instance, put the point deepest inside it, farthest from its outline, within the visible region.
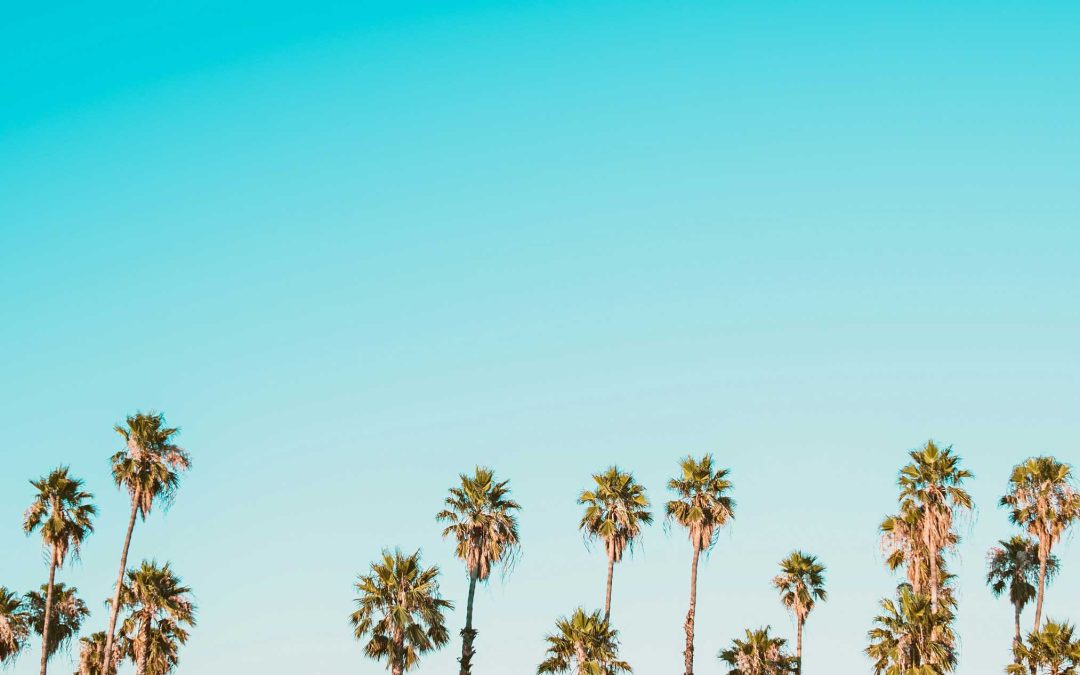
(150, 464)
(1014, 567)
(68, 612)
(759, 654)
(801, 583)
(483, 519)
(92, 655)
(931, 485)
(1053, 649)
(14, 624)
(62, 511)
(703, 504)
(159, 606)
(163, 640)
(615, 511)
(1042, 498)
(910, 637)
(583, 643)
(400, 608)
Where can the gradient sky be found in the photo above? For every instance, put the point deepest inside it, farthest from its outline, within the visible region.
(355, 249)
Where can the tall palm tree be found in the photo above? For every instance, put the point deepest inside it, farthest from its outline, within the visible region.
(759, 654)
(583, 644)
(703, 505)
(1014, 567)
(149, 467)
(931, 483)
(92, 655)
(615, 510)
(911, 637)
(801, 583)
(483, 519)
(14, 625)
(1042, 500)
(65, 618)
(1052, 650)
(154, 596)
(62, 511)
(400, 608)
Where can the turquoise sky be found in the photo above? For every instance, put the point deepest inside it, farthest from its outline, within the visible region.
(355, 249)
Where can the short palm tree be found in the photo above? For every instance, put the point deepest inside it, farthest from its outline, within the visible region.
(65, 618)
(401, 610)
(149, 468)
(62, 512)
(483, 519)
(583, 644)
(1042, 500)
(759, 654)
(92, 655)
(932, 485)
(154, 597)
(14, 625)
(801, 583)
(1014, 567)
(615, 511)
(703, 505)
(163, 641)
(1052, 650)
(911, 637)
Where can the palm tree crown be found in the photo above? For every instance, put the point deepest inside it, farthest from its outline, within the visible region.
(154, 597)
(149, 466)
(758, 654)
(1014, 567)
(703, 504)
(400, 608)
(92, 656)
(62, 511)
(482, 517)
(583, 644)
(801, 583)
(14, 625)
(1052, 650)
(615, 510)
(911, 637)
(65, 619)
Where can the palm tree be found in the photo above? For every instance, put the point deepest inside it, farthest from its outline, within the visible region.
(801, 583)
(1052, 650)
(401, 609)
(931, 484)
(62, 511)
(483, 519)
(14, 625)
(65, 618)
(1014, 566)
(911, 637)
(1043, 500)
(583, 644)
(92, 656)
(614, 513)
(702, 506)
(759, 654)
(156, 599)
(149, 467)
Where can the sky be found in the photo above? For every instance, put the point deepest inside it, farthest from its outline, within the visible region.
(355, 249)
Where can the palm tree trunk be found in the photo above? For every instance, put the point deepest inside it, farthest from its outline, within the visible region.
(48, 614)
(1043, 555)
(607, 596)
(934, 584)
(798, 647)
(114, 610)
(468, 634)
(581, 658)
(1017, 640)
(144, 648)
(688, 655)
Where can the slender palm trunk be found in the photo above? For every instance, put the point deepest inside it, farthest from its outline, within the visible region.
(581, 658)
(48, 614)
(1043, 555)
(934, 583)
(798, 647)
(144, 648)
(114, 610)
(1017, 640)
(688, 655)
(398, 668)
(468, 634)
(607, 596)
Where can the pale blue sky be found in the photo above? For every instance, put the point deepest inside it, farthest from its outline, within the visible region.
(353, 250)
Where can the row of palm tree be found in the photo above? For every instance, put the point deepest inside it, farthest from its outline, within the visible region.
(159, 609)
(400, 608)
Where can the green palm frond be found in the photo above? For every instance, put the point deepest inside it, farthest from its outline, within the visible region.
(585, 644)
(759, 654)
(615, 511)
(703, 503)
